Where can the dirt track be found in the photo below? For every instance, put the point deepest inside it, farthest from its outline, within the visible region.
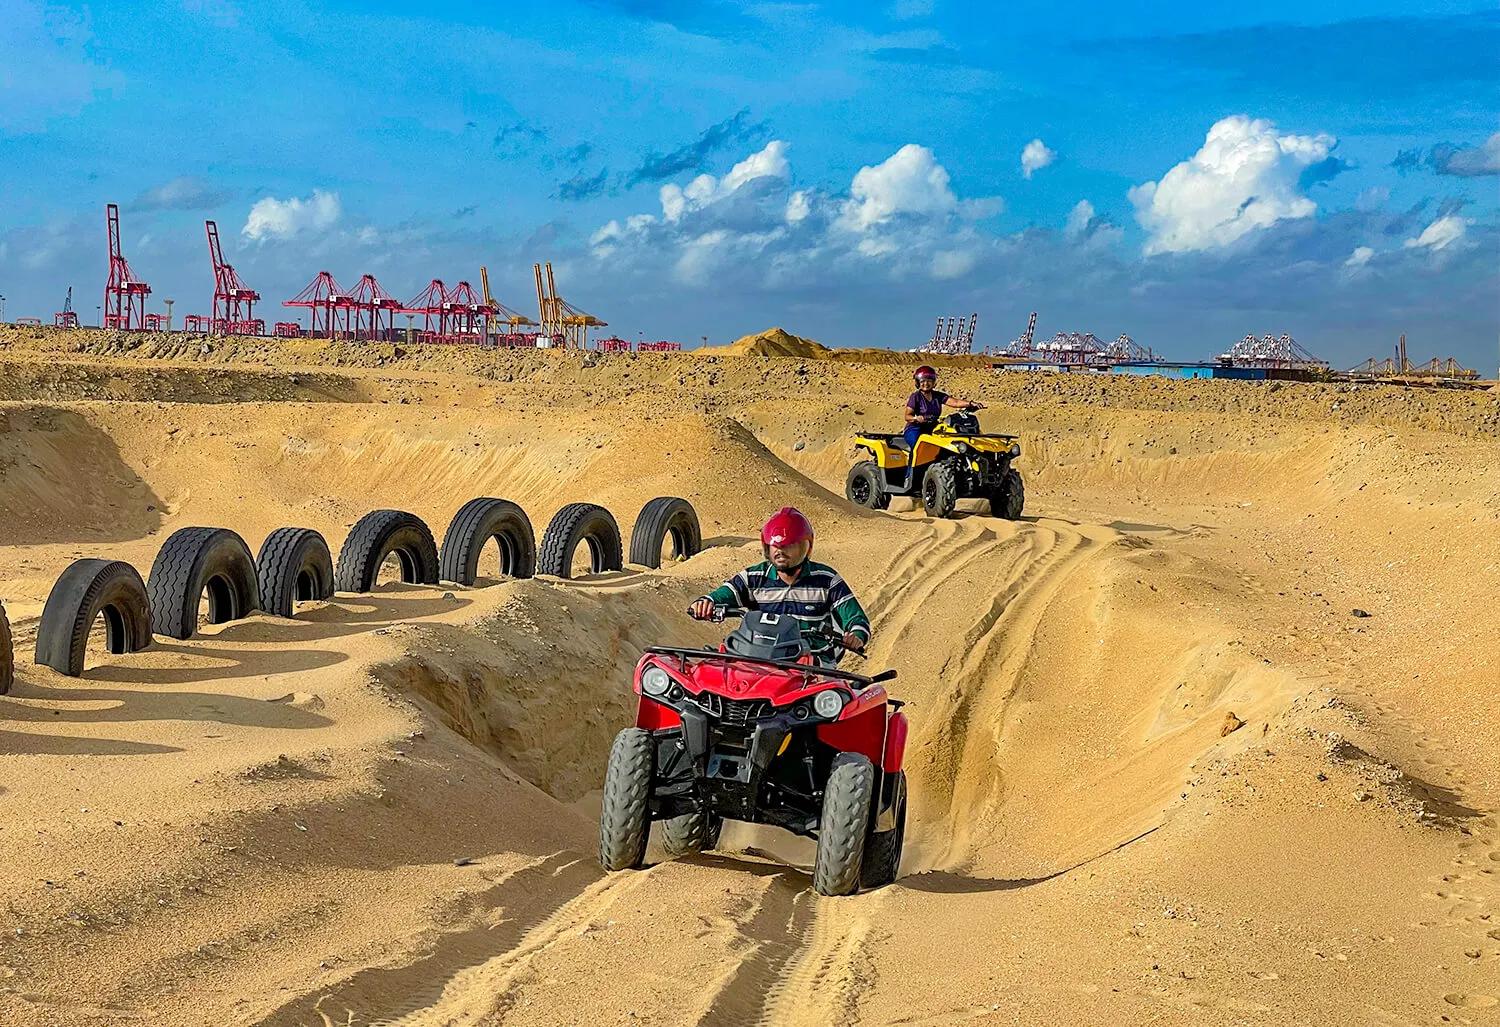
(265, 824)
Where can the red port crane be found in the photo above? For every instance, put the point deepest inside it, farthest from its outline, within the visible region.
(369, 311)
(66, 317)
(323, 298)
(430, 303)
(124, 294)
(234, 301)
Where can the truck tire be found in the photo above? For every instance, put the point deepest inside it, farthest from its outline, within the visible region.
(940, 489)
(662, 518)
(842, 826)
(624, 820)
(87, 589)
(580, 523)
(865, 486)
(478, 521)
(293, 566)
(691, 832)
(882, 859)
(1010, 498)
(7, 655)
(194, 560)
(376, 536)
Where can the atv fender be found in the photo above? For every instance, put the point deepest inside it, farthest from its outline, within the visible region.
(895, 743)
(864, 733)
(653, 716)
(886, 456)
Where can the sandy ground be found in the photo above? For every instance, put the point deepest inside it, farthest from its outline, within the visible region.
(382, 811)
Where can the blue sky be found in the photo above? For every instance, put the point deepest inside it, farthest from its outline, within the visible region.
(847, 170)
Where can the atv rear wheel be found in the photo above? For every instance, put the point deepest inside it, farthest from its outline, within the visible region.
(882, 857)
(624, 822)
(842, 826)
(940, 489)
(1007, 500)
(690, 833)
(864, 487)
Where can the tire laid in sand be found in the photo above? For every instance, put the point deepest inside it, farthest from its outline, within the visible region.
(378, 535)
(195, 560)
(293, 566)
(662, 518)
(85, 591)
(579, 523)
(478, 521)
(7, 654)
(624, 819)
(842, 826)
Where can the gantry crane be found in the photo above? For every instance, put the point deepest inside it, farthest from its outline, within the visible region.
(560, 320)
(66, 317)
(498, 312)
(124, 295)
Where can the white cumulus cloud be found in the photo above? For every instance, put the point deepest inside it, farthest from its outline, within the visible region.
(770, 162)
(1243, 178)
(1079, 218)
(1360, 257)
(1441, 234)
(271, 218)
(1035, 156)
(909, 181)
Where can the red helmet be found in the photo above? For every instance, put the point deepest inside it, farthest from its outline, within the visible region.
(787, 527)
(924, 372)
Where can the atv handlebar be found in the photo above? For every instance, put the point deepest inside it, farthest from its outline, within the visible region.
(721, 613)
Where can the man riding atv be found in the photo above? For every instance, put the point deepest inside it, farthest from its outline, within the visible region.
(925, 405)
(790, 583)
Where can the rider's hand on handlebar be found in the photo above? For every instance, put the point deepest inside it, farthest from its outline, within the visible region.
(974, 405)
(702, 609)
(853, 642)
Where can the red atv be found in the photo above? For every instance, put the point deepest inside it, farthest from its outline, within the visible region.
(756, 731)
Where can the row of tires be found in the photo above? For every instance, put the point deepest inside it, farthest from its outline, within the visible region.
(295, 565)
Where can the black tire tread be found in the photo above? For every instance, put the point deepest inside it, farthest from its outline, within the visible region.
(7, 655)
(566, 532)
(880, 499)
(882, 858)
(947, 489)
(80, 592)
(653, 525)
(173, 593)
(368, 545)
(689, 833)
(1010, 499)
(624, 821)
(464, 539)
(281, 558)
(842, 825)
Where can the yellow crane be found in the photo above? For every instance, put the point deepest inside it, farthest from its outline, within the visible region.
(560, 319)
(495, 310)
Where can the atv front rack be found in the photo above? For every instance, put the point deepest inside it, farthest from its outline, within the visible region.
(812, 670)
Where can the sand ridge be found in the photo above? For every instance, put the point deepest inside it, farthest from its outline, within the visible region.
(382, 811)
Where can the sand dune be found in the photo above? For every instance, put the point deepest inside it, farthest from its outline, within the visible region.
(384, 809)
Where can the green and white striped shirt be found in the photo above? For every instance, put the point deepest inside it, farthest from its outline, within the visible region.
(819, 599)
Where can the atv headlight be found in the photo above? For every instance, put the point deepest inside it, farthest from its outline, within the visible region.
(828, 703)
(1015, 449)
(655, 681)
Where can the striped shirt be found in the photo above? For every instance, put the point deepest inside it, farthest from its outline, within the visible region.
(819, 599)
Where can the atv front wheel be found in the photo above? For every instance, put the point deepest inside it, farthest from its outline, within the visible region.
(842, 826)
(624, 822)
(940, 489)
(1007, 500)
(882, 857)
(690, 833)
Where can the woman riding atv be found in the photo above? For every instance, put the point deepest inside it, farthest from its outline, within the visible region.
(925, 405)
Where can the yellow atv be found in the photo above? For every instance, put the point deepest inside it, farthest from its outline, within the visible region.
(953, 460)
